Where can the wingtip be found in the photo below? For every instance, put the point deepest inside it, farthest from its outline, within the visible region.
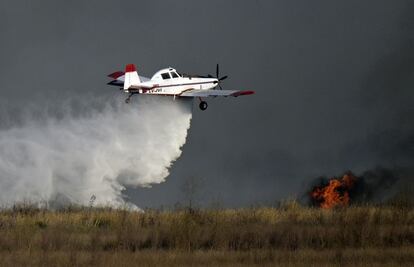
(245, 92)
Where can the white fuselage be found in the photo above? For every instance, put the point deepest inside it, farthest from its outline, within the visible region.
(178, 85)
(169, 82)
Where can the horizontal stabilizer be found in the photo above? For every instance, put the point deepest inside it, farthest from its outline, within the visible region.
(116, 83)
(116, 74)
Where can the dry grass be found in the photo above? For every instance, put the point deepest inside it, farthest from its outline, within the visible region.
(290, 235)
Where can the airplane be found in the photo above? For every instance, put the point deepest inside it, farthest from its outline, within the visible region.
(168, 82)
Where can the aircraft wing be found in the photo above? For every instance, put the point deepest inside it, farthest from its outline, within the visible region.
(214, 93)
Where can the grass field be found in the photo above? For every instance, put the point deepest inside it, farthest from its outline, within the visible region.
(290, 235)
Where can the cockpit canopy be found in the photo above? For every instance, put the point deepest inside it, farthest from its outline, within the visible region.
(166, 74)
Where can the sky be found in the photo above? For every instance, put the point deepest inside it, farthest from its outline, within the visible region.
(334, 84)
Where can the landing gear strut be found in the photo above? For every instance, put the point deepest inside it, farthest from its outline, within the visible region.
(129, 98)
(203, 105)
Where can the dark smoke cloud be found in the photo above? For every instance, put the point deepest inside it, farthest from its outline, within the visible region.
(376, 186)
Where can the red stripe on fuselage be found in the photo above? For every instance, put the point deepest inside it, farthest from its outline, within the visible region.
(182, 84)
(171, 85)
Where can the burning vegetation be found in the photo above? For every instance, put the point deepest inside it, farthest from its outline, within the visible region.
(335, 192)
(376, 186)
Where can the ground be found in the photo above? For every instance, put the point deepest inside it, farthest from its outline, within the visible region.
(289, 235)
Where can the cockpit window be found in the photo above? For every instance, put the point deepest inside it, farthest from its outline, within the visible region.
(174, 75)
(165, 76)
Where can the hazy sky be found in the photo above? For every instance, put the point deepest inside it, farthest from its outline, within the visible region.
(334, 83)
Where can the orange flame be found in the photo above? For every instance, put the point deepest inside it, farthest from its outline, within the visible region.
(335, 193)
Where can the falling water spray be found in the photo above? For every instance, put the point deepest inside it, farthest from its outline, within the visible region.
(68, 159)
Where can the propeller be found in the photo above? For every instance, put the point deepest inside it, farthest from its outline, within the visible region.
(219, 79)
(217, 76)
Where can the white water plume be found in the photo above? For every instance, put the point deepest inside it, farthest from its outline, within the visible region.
(73, 158)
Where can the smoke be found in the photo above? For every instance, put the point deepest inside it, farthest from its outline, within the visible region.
(83, 153)
(380, 185)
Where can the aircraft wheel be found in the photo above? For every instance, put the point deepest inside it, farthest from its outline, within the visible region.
(127, 101)
(203, 105)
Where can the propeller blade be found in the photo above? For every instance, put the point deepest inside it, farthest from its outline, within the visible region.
(220, 86)
(223, 78)
(217, 71)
